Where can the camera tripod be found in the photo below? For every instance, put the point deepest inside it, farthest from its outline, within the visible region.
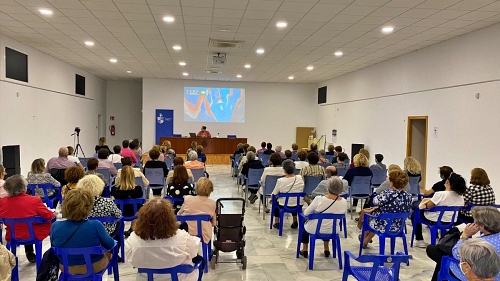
(78, 147)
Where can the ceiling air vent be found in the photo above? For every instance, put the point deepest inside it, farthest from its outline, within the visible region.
(219, 43)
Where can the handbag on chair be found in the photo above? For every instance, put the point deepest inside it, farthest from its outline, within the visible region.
(449, 240)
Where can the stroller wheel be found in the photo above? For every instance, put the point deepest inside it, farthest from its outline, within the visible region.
(213, 261)
(238, 255)
(244, 262)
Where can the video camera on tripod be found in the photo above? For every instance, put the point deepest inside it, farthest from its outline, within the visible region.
(77, 131)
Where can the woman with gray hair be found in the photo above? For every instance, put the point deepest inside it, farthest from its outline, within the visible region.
(479, 260)
(331, 203)
(290, 183)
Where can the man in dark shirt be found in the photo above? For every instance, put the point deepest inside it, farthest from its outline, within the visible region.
(313, 148)
(444, 173)
(269, 150)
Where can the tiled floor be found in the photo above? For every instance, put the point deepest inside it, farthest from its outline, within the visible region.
(271, 257)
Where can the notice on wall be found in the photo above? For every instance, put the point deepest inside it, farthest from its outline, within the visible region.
(334, 136)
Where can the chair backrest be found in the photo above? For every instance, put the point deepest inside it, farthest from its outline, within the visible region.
(27, 221)
(174, 271)
(379, 261)
(329, 157)
(324, 165)
(139, 161)
(231, 136)
(259, 154)
(379, 176)
(198, 173)
(138, 181)
(325, 216)
(361, 185)
(198, 218)
(287, 197)
(341, 172)
(296, 172)
(265, 159)
(470, 206)
(270, 183)
(442, 210)
(237, 158)
(58, 174)
(254, 176)
(295, 157)
(414, 186)
(106, 174)
(311, 182)
(106, 219)
(174, 200)
(133, 202)
(118, 166)
(169, 162)
(390, 218)
(45, 187)
(83, 161)
(155, 176)
(63, 254)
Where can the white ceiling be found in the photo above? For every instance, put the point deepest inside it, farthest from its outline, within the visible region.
(133, 32)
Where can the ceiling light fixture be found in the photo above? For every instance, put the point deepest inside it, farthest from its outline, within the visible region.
(247, 66)
(290, 77)
(260, 51)
(46, 12)
(238, 76)
(281, 24)
(128, 71)
(185, 73)
(181, 63)
(387, 29)
(168, 19)
(113, 60)
(177, 47)
(89, 43)
(338, 53)
(310, 68)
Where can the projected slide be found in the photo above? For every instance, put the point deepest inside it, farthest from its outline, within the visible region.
(203, 104)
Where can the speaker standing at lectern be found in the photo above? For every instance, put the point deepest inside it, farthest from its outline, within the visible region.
(204, 133)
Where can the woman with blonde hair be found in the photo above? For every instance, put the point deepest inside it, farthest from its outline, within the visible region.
(478, 193)
(169, 152)
(360, 169)
(413, 168)
(37, 175)
(102, 144)
(363, 151)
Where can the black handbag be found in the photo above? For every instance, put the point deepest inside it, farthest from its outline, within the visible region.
(449, 240)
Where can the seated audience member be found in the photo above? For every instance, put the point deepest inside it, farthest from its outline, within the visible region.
(302, 155)
(201, 155)
(158, 243)
(278, 150)
(72, 175)
(288, 154)
(479, 260)
(116, 157)
(451, 197)
(313, 169)
(169, 152)
(179, 161)
(179, 188)
(161, 157)
(127, 161)
(295, 148)
(103, 207)
(329, 203)
(193, 162)
(393, 200)
(322, 159)
(239, 150)
(245, 148)
(290, 183)
(337, 151)
(331, 150)
(479, 193)
(274, 169)
(134, 147)
(387, 185)
(262, 147)
(139, 146)
(486, 220)
(61, 162)
(200, 204)
(365, 152)
(322, 188)
(37, 175)
(92, 164)
(360, 169)
(104, 163)
(378, 162)
(444, 173)
(244, 159)
(78, 232)
(412, 167)
(8, 263)
(251, 164)
(126, 152)
(269, 150)
(193, 147)
(204, 133)
(126, 188)
(102, 144)
(313, 148)
(18, 204)
(72, 158)
(341, 163)
(3, 173)
(154, 163)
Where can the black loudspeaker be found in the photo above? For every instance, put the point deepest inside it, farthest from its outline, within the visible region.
(12, 171)
(11, 156)
(355, 147)
(322, 95)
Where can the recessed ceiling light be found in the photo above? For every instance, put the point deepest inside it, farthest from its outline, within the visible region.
(224, 29)
(128, 71)
(45, 12)
(338, 53)
(168, 19)
(177, 47)
(310, 68)
(113, 60)
(185, 73)
(89, 43)
(290, 77)
(181, 63)
(281, 24)
(238, 76)
(260, 51)
(388, 29)
(247, 66)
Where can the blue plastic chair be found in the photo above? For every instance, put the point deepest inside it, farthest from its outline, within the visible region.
(341, 172)
(231, 136)
(377, 271)
(415, 187)
(252, 180)
(198, 173)
(439, 225)
(267, 189)
(330, 158)
(447, 262)
(205, 247)
(121, 229)
(295, 157)
(361, 188)
(145, 189)
(320, 217)
(324, 165)
(470, 206)
(286, 209)
(118, 166)
(177, 135)
(296, 172)
(265, 159)
(156, 178)
(45, 187)
(390, 217)
(311, 182)
(86, 252)
(234, 164)
(107, 175)
(379, 176)
(169, 162)
(139, 161)
(180, 269)
(121, 203)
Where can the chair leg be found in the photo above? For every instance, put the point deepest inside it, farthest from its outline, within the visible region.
(38, 253)
(299, 239)
(361, 240)
(204, 247)
(15, 272)
(381, 242)
(282, 218)
(393, 245)
(312, 246)
(433, 235)
(334, 248)
(344, 221)
(350, 206)
(413, 232)
(339, 249)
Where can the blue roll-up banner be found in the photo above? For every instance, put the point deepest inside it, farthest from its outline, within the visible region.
(164, 119)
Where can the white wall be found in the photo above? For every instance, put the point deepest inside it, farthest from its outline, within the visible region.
(41, 115)
(124, 102)
(273, 110)
(372, 105)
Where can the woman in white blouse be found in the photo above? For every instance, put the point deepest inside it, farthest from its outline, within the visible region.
(331, 203)
(158, 243)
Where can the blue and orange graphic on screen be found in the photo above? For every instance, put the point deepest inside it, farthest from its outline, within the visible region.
(203, 104)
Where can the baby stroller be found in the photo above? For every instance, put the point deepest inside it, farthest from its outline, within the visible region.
(229, 231)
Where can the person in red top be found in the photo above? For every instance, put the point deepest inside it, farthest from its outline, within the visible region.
(18, 204)
(204, 133)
